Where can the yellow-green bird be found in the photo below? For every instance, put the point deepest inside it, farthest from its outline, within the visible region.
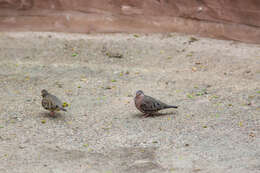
(51, 102)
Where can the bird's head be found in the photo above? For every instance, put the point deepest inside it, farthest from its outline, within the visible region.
(139, 93)
(44, 93)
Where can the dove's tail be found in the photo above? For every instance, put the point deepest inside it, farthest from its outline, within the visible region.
(170, 106)
(63, 109)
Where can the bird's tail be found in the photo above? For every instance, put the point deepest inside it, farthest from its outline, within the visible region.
(170, 106)
(63, 109)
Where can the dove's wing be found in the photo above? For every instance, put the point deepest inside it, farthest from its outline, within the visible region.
(52, 103)
(56, 101)
(47, 103)
(150, 104)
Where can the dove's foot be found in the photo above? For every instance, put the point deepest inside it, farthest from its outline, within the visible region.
(146, 115)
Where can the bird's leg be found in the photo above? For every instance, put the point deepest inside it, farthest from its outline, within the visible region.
(52, 113)
(146, 115)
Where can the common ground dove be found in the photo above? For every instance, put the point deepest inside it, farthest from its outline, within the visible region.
(149, 105)
(51, 102)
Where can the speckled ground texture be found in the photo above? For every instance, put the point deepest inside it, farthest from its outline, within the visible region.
(215, 83)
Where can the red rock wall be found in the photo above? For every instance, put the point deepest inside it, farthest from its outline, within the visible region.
(226, 19)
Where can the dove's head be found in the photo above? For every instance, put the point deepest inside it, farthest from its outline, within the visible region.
(44, 92)
(139, 93)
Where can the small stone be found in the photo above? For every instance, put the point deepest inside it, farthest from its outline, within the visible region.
(252, 134)
(21, 146)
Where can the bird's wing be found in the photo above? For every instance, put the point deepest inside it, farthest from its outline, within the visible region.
(56, 101)
(48, 103)
(150, 104)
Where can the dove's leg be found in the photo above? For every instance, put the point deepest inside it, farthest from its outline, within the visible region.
(146, 115)
(52, 113)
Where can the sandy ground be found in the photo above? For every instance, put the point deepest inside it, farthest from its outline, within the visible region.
(215, 83)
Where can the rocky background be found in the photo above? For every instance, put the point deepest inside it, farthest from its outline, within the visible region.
(225, 19)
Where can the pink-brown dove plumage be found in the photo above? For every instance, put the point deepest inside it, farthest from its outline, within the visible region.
(149, 105)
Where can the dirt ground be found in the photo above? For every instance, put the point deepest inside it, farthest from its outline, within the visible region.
(215, 83)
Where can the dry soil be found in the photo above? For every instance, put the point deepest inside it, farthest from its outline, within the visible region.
(215, 83)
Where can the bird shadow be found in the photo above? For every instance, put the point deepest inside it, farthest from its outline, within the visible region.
(57, 116)
(154, 115)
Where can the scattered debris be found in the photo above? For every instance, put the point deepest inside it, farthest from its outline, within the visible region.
(75, 54)
(252, 134)
(214, 97)
(83, 79)
(114, 55)
(194, 69)
(190, 96)
(59, 84)
(189, 54)
(136, 36)
(85, 145)
(108, 88)
(27, 78)
(65, 104)
(193, 39)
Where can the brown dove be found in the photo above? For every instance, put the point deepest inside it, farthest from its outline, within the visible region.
(51, 102)
(149, 105)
